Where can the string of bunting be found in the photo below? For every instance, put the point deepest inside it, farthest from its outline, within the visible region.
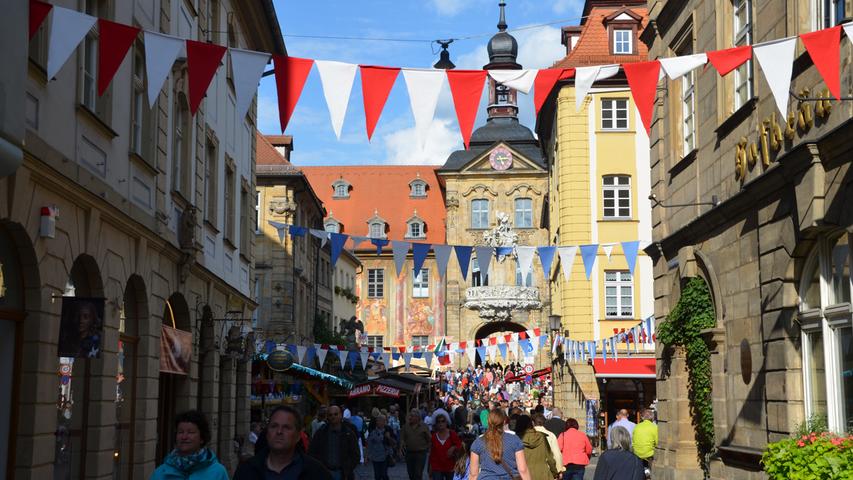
(68, 27)
(524, 255)
(578, 351)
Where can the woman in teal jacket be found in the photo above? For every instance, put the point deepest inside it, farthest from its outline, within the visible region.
(191, 459)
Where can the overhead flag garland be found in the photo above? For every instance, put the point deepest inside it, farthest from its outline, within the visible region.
(67, 28)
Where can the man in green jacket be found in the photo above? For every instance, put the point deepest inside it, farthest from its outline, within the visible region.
(645, 437)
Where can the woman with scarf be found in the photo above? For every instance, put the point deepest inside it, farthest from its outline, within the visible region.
(191, 459)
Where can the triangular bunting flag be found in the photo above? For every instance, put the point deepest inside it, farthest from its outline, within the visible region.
(493, 351)
(290, 76)
(729, 59)
(603, 350)
(463, 257)
(337, 240)
(407, 358)
(379, 243)
(300, 354)
(376, 84)
(567, 260)
(279, 228)
(481, 351)
(321, 234)
(424, 87)
(202, 61)
(321, 354)
(466, 86)
(337, 79)
(521, 80)
(247, 67)
(848, 30)
(629, 249)
(513, 347)
(358, 240)
(428, 359)
(484, 259)
(676, 67)
(777, 62)
(544, 83)
(608, 249)
(342, 356)
(352, 357)
(525, 259)
(643, 80)
(114, 42)
(546, 258)
(502, 350)
(419, 254)
(364, 355)
(586, 76)
(472, 355)
(386, 359)
(297, 231)
(400, 250)
(824, 46)
(67, 29)
(442, 255)
(588, 254)
(160, 54)
(38, 12)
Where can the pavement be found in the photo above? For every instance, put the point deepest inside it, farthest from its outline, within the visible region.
(398, 471)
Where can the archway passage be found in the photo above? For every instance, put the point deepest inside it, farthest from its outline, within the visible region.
(174, 392)
(493, 328)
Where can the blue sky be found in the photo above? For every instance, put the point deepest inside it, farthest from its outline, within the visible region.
(394, 140)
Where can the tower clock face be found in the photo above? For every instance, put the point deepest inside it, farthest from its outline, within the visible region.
(500, 158)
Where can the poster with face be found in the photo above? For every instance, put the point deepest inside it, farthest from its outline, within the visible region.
(175, 350)
(81, 327)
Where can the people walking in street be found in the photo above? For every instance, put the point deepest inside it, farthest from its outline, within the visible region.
(336, 445)
(553, 446)
(415, 445)
(645, 438)
(556, 424)
(622, 420)
(443, 449)
(283, 457)
(536, 450)
(498, 455)
(191, 459)
(462, 463)
(576, 449)
(379, 447)
(617, 462)
(319, 421)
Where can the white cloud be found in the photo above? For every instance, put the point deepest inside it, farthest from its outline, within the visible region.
(565, 6)
(402, 146)
(268, 121)
(537, 48)
(448, 7)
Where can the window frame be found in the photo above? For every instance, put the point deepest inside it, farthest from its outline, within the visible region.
(742, 35)
(477, 215)
(375, 283)
(230, 199)
(420, 283)
(211, 179)
(616, 188)
(418, 189)
(420, 341)
(370, 341)
(825, 13)
(628, 41)
(523, 211)
(333, 224)
(688, 112)
(526, 282)
(614, 116)
(619, 283)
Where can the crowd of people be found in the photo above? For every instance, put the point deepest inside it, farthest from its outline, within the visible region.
(471, 430)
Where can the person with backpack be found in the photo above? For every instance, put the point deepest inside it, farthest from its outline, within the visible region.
(536, 450)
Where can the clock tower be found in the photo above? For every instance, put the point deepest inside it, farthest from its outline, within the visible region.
(503, 49)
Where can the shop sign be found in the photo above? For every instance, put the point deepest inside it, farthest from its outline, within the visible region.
(359, 391)
(387, 391)
(280, 360)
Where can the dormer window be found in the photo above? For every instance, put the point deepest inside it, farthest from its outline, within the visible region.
(331, 224)
(415, 227)
(376, 226)
(623, 27)
(417, 188)
(341, 188)
(622, 42)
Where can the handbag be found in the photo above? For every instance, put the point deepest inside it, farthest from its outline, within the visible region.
(508, 471)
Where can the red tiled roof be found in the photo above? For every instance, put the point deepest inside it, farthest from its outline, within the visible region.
(593, 47)
(266, 153)
(280, 140)
(382, 190)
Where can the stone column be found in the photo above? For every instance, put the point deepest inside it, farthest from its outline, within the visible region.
(226, 418)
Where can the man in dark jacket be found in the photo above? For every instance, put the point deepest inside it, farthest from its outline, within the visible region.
(283, 457)
(556, 424)
(335, 445)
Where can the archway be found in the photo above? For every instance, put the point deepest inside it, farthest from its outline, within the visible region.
(492, 328)
(174, 388)
(133, 320)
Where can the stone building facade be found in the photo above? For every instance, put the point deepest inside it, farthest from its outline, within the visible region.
(147, 206)
(766, 225)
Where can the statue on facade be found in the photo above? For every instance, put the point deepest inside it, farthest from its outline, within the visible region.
(348, 329)
(501, 235)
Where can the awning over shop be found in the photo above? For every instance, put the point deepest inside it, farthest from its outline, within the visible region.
(302, 371)
(625, 367)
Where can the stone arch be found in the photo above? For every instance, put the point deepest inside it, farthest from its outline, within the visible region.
(175, 392)
(20, 303)
(133, 324)
(486, 329)
(705, 269)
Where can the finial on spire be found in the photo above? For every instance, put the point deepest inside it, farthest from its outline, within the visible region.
(502, 21)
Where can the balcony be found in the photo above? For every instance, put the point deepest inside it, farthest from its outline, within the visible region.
(497, 303)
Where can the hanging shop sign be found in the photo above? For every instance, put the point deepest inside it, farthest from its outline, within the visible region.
(175, 350)
(360, 391)
(280, 360)
(374, 389)
(81, 327)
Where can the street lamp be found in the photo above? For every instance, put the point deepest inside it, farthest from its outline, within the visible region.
(444, 62)
(555, 323)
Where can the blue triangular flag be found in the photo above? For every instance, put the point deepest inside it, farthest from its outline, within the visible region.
(588, 254)
(379, 244)
(298, 231)
(400, 250)
(546, 257)
(593, 349)
(463, 256)
(352, 357)
(481, 351)
(484, 259)
(442, 255)
(502, 348)
(338, 240)
(419, 254)
(604, 351)
(309, 355)
(395, 355)
(418, 354)
(526, 347)
(629, 249)
(503, 251)
(649, 328)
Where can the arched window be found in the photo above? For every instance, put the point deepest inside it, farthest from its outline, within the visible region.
(332, 224)
(376, 226)
(341, 188)
(826, 320)
(418, 188)
(415, 227)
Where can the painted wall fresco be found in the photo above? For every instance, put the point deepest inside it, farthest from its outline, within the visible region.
(374, 314)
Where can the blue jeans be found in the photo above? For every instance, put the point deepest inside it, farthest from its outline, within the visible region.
(380, 470)
(574, 472)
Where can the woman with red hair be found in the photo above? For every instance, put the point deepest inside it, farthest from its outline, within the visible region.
(498, 455)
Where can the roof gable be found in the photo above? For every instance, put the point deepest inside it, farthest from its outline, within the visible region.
(482, 162)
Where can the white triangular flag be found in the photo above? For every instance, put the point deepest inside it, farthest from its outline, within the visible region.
(521, 80)
(400, 250)
(608, 249)
(160, 54)
(848, 30)
(513, 347)
(281, 228)
(322, 235)
(300, 353)
(567, 259)
(364, 356)
(428, 359)
(586, 76)
(534, 340)
(337, 79)
(342, 356)
(525, 259)
(321, 354)
(247, 67)
(67, 29)
(472, 353)
(424, 88)
(493, 351)
(386, 359)
(776, 59)
(675, 67)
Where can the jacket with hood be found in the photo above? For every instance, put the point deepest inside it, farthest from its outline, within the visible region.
(200, 466)
(554, 447)
(540, 462)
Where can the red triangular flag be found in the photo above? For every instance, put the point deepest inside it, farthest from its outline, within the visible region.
(444, 359)
(290, 76)
(202, 61)
(38, 12)
(545, 81)
(115, 41)
(467, 88)
(376, 83)
(823, 47)
(729, 59)
(643, 81)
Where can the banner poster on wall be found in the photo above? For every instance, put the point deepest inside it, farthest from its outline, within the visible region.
(175, 350)
(81, 327)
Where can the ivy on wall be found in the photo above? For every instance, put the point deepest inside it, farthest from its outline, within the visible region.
(683, 327)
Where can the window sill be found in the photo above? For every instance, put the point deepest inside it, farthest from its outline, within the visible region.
(619, 319)
(615, 130)
(97, 121)
(38, 71)
(418, 197)
(736, 117)
(152, 168)
(244, 257)
(340, 198)
(210, 226)
(179, 199)
(618, 219)
(413, 238)
(229, 244)
(683, 163)
(420, 296)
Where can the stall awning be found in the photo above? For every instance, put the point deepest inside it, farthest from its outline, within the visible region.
(625, 367)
